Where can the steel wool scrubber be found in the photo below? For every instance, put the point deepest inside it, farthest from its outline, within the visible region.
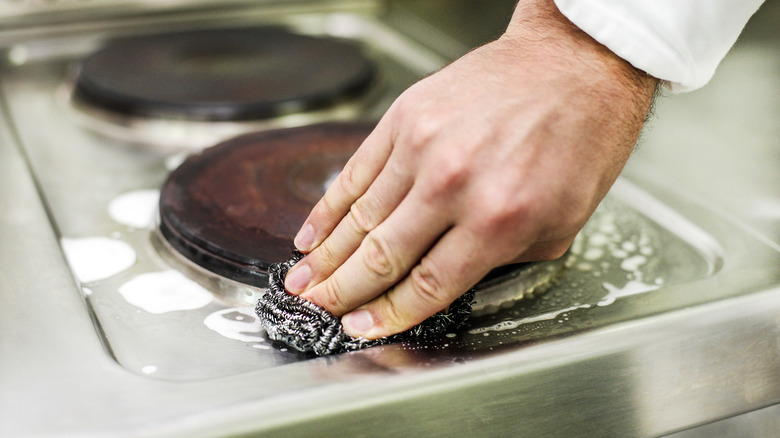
(306, 326)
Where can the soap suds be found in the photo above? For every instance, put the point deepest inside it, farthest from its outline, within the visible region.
(593, 254)
(631, 288)
(97, 258)
(510, 325)
(167, 291)
(632, 264)
(239, 323)
(135, 209)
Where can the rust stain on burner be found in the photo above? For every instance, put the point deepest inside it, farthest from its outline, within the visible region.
(225, 74)
(235, 208)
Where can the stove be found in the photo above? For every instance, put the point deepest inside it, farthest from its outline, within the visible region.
(144, 159)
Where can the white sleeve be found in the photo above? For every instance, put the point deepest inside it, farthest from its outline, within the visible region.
(678, 41)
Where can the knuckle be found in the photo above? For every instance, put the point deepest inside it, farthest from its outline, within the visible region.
(330, 297)
(393, 317)
(391, 312)
(348, 180)
(423, 123)
(361, 216)
(498, 214)
(501, 213)
(326, 205)
(425, 130)
(452, 172)
(377, 258)
(428, 286)
(326, 255)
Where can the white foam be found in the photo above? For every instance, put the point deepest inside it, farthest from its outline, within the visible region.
(97, 258)
(607, 225)
(167, 291)
(510, 325)
(631, 288)
(584, 267)
(135, 209)
(239, 323)
(633, 263)
(593, 254)
(149, 369)
(619, 253)
(598, 239)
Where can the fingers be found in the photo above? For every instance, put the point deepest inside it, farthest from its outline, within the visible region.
(352, 182)
(384, 257)
(457, 262)
(365, 214)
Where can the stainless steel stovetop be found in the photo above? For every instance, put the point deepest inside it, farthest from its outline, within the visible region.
(105, 332)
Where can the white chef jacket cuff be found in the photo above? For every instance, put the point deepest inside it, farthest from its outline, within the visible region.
(678, 41)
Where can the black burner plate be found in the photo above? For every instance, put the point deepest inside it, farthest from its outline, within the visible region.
(235, 208)
(226, 74)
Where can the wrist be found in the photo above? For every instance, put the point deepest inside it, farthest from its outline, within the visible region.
(537, 28)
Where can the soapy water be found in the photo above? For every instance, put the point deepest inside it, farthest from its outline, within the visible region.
(162, 292)
(632, 264)
(604, 247)
(238, 323)
(135, 209)
(607, 246)
(513, 324)
(97, 258)
(631, 288)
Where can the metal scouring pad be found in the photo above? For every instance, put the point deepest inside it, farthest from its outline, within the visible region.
(308, 327)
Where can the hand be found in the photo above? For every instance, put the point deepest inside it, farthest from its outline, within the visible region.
(500, 157)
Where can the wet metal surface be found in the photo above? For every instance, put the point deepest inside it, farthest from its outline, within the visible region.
(664, 318)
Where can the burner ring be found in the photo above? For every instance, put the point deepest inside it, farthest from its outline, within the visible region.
(234, 208)
(225, 74)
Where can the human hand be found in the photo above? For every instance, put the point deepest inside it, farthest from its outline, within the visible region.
(500, 157)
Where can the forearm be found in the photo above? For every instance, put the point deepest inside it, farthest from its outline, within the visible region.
(540, 23)
(588, 75)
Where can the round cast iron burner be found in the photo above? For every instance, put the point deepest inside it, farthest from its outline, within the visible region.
(234, 208)
(226, 74)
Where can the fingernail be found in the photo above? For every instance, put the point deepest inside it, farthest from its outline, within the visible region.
(305, 238)
(297, 279)
(358, 323)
